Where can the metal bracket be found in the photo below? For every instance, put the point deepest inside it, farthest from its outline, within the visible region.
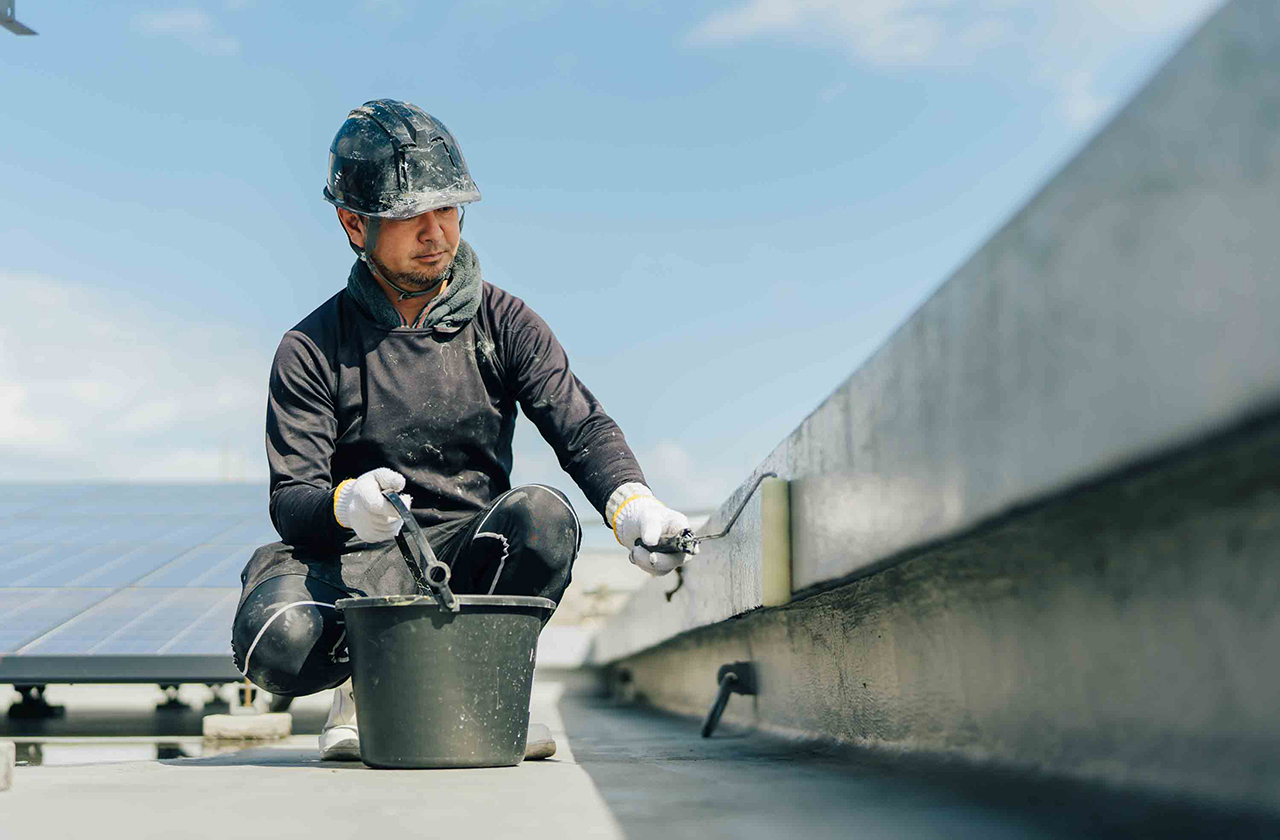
(735, 678)
(33, 706)
(10, 21)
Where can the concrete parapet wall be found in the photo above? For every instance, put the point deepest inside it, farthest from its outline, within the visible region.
(1040, 526)
(1130, 308)
(1125, 632)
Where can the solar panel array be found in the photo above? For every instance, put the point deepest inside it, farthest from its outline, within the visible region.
(143, 575)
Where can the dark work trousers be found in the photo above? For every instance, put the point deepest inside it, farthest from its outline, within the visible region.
(289, 638)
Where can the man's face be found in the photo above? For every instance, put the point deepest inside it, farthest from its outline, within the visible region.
(412, 253)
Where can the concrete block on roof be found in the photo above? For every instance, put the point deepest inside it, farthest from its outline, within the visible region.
(269, 726)
(8, 758)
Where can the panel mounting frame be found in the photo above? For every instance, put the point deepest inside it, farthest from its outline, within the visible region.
(10, 20)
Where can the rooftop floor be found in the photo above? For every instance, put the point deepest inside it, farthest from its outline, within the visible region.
(619, 772)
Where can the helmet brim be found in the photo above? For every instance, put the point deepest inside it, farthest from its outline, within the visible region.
(408, 205)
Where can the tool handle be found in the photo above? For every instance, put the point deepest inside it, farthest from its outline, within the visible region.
(682, 543)
(428, 572)
(686, 543)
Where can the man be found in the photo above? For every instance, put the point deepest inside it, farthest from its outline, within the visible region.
(408, 380)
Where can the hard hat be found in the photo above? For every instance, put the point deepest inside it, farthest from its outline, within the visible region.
(392, 160)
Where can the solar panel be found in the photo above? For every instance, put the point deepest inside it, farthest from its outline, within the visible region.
(29, 613)
(20, 559)
(127, 583)
(204, 565)
(137, 621)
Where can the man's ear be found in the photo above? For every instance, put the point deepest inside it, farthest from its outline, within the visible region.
(353, 224)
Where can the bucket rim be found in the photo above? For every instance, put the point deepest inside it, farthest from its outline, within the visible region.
(527, 601)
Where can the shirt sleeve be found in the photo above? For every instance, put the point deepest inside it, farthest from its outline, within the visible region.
(588, 443)
(301, 433)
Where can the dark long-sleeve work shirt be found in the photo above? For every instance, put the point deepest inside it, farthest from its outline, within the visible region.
(348, 395)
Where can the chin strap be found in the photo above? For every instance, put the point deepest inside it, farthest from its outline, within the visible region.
(405, 294)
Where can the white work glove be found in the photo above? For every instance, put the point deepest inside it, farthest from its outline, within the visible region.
(635, 513)
(359, 505)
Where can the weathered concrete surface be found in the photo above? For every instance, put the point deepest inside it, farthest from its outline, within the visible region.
(1126, 632)
(617, 773)
(1129, 308)
(284, 790)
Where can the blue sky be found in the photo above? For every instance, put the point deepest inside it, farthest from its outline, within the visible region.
(721, 206)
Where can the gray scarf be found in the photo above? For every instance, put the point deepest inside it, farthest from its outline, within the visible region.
(449, 312)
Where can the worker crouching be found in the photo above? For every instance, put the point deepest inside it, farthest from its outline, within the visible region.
(408, 380)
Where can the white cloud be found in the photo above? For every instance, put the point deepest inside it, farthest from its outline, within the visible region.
(1062, 43)
(98, 386)
(748, 20)
(1080, 104)
(880, 31)
(193, 27)
(682, 482)
(17, 425)
(1139, 15)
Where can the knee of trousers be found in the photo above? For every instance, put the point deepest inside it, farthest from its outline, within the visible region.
(289, 639)
(546, 519)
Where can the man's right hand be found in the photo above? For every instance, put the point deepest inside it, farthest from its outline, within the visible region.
(358, 504)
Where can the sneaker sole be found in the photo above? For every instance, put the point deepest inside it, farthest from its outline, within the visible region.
(348, 749)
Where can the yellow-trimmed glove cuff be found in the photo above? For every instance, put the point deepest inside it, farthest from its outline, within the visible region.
(620, 498)
(337, 492)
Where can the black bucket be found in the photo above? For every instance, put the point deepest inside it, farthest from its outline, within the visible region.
(437, 688)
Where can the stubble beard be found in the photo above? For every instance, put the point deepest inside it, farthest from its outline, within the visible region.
(414, 281)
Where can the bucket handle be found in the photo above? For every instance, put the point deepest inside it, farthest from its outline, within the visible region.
(431, 576)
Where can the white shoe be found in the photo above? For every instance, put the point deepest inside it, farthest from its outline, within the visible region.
(539, 744)
(340, 737)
